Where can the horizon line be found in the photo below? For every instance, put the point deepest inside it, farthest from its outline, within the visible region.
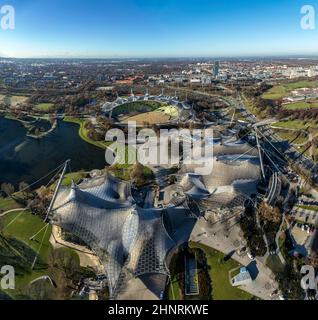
(165, 57)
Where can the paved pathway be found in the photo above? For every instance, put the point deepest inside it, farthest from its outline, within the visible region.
(12, 210)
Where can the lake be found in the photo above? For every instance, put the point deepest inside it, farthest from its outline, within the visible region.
(27, 159)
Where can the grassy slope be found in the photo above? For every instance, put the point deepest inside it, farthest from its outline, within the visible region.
(8, 204)
(290, 136)
(22, 226)
(300, 105)
(295, 124)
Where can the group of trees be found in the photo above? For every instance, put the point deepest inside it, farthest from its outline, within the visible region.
(270, 221)
(37, 201)
(7, 189)
(97, 133)
(140, 174)
(301, 114)
(207, 103)
(252, 233)
(289, 278)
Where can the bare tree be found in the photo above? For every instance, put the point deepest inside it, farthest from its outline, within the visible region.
(7, 189)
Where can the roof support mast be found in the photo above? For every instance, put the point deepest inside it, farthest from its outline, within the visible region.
(57, 190)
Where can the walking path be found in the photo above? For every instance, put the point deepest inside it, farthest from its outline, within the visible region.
(12, 210)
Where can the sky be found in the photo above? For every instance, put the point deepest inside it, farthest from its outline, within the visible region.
(157, 28)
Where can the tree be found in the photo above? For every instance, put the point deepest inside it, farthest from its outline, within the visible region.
(65, 270)
(23, 186)
(7, 189)
(137, 174)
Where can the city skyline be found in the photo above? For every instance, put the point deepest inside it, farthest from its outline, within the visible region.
(155, 29)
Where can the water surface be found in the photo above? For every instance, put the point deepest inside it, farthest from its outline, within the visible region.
(27, 159)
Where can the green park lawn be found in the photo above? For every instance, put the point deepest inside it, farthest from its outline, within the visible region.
(137, 107)
(17, 228)
(174, 290)
(300, 105)
(44, 106)
(295, 124)
(22, 225)
(291, 135)
(283, 90)
(8, 204)
(69, 177)
(219, 273)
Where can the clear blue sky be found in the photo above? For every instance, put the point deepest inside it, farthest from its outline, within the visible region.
(154, 28)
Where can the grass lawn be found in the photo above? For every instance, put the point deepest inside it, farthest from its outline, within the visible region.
(20, 226)
(291, 135)
(83, 133)
(219, 273)
(44, 106)
(283, 90)
(8, 204)
(136, 107)
(295, 124)
(174, 290)
(23, 225)
(300, 105)
(69, 177)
